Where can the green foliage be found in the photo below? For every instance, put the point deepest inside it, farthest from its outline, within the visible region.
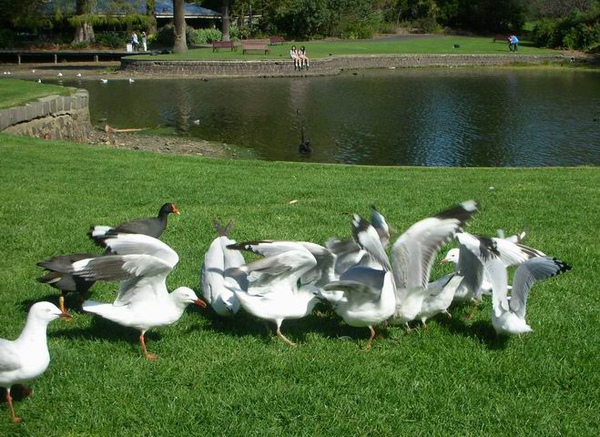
(112, 39)
(203, 36)
(8, 38)
(578, 31)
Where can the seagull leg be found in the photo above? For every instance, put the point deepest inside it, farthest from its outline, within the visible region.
(368, 346)
(424, 323)
(151, 357)
(447, 313)
(9, 401)
(283, 337)
(61, 303)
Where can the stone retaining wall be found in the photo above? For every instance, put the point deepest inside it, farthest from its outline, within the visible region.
(324, 66)
(53, 117)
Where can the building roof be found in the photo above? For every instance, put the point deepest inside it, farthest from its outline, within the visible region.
(162, 8)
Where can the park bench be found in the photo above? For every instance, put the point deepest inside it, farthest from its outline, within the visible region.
(216, 45)
(255, 45)
(503, 38)
(276, 39)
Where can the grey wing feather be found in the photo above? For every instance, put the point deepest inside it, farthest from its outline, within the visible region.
(528, 273)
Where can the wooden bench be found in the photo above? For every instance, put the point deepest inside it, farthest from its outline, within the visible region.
(276, 39)
(503, 38)
(216, 45)
(255, 45)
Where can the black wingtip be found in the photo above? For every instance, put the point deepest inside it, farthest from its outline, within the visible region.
(359, 225)
(562, 266)
(462, 212)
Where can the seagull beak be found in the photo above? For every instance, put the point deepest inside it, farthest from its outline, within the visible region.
(200, 303)
(445, 260)
(66, 315)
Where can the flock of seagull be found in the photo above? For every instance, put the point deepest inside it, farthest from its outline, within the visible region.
(355, 276)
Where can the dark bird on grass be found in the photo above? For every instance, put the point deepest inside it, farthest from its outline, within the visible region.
(153, 226)
(59, 275)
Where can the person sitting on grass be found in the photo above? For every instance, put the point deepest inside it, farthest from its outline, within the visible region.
(295, 57)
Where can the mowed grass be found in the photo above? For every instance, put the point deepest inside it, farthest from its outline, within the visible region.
(419, 44)
(15, 92)
(217, 376)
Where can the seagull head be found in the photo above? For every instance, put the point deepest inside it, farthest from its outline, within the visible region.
(186, 296)
(451, 256)
(47, 311)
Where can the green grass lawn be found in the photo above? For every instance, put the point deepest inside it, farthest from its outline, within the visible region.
(15, 92)
(229, 377)
(322, 49)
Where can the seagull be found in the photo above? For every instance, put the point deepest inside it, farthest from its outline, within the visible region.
(59, 74)
(104, 80)
(466, 280)
(142, 264)
(214, 274)
(60, 277)
(131, 80)
(78, 74)
(511, 253)
(364, 296)
(273, 293)
(413, 255)
(349, 253)
(196, 122)
(508, 315)
(39, 80)
(33, 71)
(153, 226)
(27, 357)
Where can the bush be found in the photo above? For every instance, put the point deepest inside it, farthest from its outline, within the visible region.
(114, 40)
(8, 38)
(203, 36)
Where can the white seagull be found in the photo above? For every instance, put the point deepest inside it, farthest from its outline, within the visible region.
(131, 80)
(27, 357)
(142, 264)
(273, 293)
(215, 272)
(510, 253)
(413, 255)
(364, 296)
(104, 80)
(508, 314)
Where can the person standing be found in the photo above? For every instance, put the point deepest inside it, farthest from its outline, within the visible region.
(135, 43)
(513, 43)
(144, 41)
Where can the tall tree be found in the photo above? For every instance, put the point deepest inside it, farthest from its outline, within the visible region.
(84, 30)
(150, 6)
(180, 44)
(225, 19)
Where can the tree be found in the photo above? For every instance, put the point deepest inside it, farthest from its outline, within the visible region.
(225, 19)
(180, 44)
(84, 30)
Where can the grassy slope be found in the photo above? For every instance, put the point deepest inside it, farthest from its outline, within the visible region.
(15, 92)
(228, 377)
(320, 49)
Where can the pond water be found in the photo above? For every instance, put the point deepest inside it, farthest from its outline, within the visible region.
(424, 117)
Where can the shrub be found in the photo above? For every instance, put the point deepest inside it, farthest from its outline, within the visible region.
(8, 38)
(203, 36)
(113, 40)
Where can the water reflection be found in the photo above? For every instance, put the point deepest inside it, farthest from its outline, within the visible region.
(443, 117)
